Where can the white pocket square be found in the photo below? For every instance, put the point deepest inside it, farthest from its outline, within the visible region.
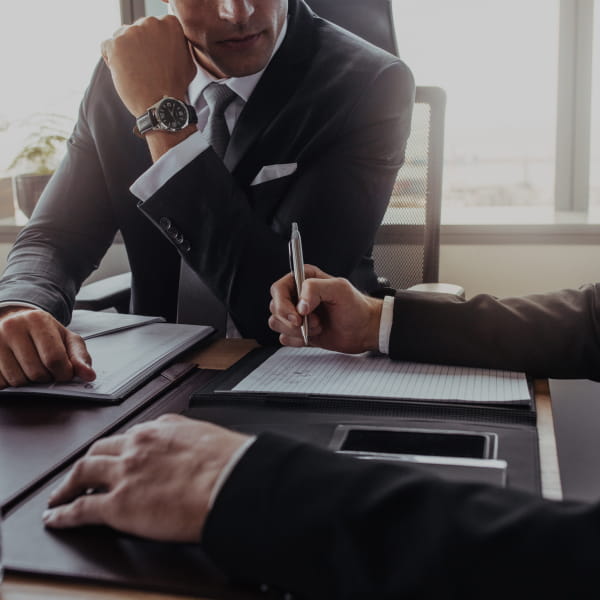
(274, 172)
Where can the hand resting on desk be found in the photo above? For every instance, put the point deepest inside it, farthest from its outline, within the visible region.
(35, 347)
(340, 317)
(154, 481)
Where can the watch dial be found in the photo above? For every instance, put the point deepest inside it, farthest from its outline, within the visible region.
(172, 114)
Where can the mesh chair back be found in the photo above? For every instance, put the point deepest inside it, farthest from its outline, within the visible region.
(406, 248)
(407, 244)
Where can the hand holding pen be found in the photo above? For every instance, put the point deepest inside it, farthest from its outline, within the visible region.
(297, 268)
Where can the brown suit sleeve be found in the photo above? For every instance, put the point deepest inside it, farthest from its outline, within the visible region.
(546, 335)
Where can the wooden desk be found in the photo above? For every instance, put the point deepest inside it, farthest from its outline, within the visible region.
(220, 355)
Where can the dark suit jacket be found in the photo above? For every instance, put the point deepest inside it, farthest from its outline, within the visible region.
(326, 526)
(547, 335)
(328, 101)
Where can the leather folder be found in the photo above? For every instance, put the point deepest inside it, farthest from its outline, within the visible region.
(487, 443)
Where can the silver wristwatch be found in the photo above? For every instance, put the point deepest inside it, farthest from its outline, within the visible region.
(168, 114)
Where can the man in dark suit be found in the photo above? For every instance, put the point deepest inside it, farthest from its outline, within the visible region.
(321, 525)
(317, 129)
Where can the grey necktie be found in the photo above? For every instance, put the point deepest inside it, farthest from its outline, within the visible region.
(218, 98)
(196, 303)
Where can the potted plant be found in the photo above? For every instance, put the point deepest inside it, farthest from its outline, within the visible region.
(38, 159)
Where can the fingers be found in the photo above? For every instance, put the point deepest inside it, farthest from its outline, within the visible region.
(81, 497)
(283, 302)
(49, 343)
(292, 329)
(110, 446)
(89, 473)
(310, 271)
(20, 362)
(35, 347)
(11, 373)
(284, 298)
(86, 510)
(79, 357)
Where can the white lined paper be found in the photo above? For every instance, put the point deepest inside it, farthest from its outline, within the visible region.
(315, 371)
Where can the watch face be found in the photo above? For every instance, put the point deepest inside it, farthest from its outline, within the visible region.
(172, 114)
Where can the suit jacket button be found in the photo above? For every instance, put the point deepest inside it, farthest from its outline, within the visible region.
(185, 246)
(178, 237)
(165, 223)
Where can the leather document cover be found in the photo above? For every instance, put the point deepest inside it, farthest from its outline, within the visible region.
(476, 442)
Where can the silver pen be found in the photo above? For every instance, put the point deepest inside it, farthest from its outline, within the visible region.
(297, 266)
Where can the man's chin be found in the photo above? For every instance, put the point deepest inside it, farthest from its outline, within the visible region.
(233, 62)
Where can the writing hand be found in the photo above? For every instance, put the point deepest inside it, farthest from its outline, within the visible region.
(340, 317)
(35, 347)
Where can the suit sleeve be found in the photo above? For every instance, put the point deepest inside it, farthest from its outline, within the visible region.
(338, 199)
(70, 230)
(322, 526)
(547, 335)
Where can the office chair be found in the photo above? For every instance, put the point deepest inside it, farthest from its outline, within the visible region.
(407, 244)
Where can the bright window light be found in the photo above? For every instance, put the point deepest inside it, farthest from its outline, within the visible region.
(49, 51)
(595, 137)
(498, 63)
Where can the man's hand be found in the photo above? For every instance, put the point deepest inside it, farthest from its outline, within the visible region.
(36, 348)
(153, 481)
(148, 60)
(340, 317)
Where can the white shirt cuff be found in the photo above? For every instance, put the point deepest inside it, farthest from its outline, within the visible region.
(385, 325)
(226, 470)
(168, 165)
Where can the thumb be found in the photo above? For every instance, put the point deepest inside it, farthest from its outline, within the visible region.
(79, 357)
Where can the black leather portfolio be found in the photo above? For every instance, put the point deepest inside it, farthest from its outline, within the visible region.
(491, 443)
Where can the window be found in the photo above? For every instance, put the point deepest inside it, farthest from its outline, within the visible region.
(497, 62)
(522, 80)
(517, 128)
(54, 47)
(595, 131)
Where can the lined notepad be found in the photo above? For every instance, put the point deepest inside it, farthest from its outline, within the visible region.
(315, 371)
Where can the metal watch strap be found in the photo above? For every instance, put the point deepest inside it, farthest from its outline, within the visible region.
(146, 122)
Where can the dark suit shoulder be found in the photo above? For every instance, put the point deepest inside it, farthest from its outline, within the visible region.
(338, 46)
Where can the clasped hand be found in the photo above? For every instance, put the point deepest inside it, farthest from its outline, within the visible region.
(148, 60)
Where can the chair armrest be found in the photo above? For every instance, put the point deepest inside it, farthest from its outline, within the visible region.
(114, 291)
(439, 288)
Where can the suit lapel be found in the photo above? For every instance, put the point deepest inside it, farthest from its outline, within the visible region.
(276, 85)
